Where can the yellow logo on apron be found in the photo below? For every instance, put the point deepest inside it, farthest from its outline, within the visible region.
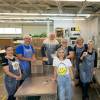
(15, 65)
(62, 70)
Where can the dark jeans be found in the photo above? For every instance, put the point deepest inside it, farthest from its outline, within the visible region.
(33, 98)
(11, 97)
(85, 87)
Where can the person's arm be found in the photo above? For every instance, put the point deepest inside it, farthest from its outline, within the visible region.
(33, 58)
(43, 49)
(55, 69)
(95, 63)
(7, 72)
(19, 53)
(20, 73)
(84, 53)
(70, 68)
(20, 57)
(43, 53)
(71, 55)
(54, 77)
(71, 73)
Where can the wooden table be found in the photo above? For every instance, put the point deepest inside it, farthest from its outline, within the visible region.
(37, 86)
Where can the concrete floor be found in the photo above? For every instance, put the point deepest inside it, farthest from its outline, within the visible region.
(77, 92)
(2, 88)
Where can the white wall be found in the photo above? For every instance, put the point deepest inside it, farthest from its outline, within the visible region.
(71, 23)
(93, 30)
(88, 28)
(93, 26)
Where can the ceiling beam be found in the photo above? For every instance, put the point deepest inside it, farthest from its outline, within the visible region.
(17, 3)
(59, 6)
(83, 7)
(30, 3)
(4, 2)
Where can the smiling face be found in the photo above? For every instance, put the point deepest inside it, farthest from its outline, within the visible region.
(61, 53)
(27, 39)
(9, 51)
(62, 70)
(90, 45)
(79, 41)
(64, 43)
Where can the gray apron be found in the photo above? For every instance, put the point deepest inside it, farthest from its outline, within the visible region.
(78, 54)
(50, 49)
(86, 68)
(11, 84)
(26, 65)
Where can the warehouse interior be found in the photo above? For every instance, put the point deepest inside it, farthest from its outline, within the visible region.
(67, 18)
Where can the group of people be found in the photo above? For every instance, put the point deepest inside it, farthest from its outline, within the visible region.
(60, 56)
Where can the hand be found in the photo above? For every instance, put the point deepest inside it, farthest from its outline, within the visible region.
(94, 72)
(45, 59)
(33, 60)
(73, 83)
(18, 77)
(53, 79)
(84, 54)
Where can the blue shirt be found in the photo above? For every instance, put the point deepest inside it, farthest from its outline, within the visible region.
(20, 49)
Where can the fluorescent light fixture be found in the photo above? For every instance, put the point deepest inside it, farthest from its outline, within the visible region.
(19, 14)
(33, 15)
(69, 0)
(83, 15)
(58, 15)
(24, 18)
(68, 19)
(93, 0)
(21, 21)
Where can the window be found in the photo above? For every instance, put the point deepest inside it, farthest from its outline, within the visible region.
(10, 30)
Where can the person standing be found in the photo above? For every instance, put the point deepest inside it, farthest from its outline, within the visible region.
(26, 54)
(78, 49)
(11, 68)
(48, 49)
(63, 74)
(88, 63)
(68, 49)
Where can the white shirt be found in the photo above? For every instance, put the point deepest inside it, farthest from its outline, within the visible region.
(62, 66)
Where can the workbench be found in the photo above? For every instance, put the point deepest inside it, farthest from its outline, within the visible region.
(37, 86)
